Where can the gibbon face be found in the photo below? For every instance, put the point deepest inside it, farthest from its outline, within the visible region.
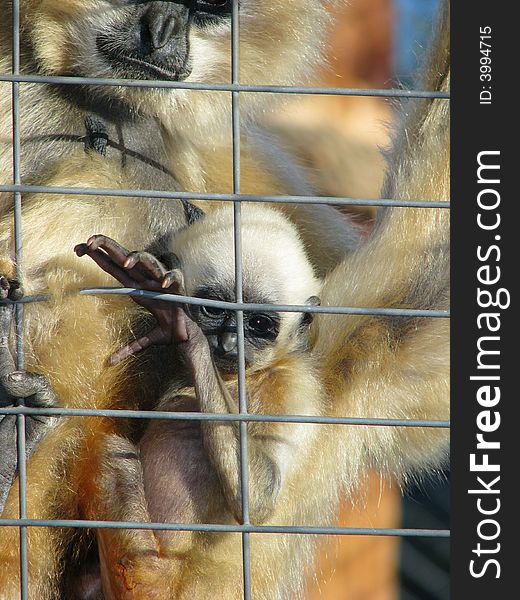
(275, 270)
(177, 40)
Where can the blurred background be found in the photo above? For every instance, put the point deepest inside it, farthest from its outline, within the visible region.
(374, 44)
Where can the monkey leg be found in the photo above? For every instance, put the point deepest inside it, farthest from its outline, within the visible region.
(15, 385)
(132, 563)
(49, 495)
(35, 391)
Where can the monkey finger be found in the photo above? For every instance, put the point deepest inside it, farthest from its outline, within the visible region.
(156, 336)
(170, 316)
(180, 328)
(6, 317)
(81, 249)
(170, 260)
(148, 262)
(34, 387)
(117, 252)
(104, 261)
(6, 360)
(139, 264)
(4, 288)
(173, 279)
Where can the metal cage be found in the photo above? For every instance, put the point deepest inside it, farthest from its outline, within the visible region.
(17, 189)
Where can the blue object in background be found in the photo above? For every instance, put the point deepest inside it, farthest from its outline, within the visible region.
(413, 27)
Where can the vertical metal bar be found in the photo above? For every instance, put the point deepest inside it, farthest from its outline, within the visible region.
(17, 201)
(242, 400)
(17, 197)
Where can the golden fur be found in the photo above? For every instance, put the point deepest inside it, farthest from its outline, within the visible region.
(359, 366)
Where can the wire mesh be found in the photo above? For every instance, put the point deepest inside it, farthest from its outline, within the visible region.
(235, 88)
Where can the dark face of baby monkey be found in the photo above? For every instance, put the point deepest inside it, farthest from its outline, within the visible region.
(261, 329)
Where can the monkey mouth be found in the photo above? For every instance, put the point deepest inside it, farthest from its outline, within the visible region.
(154, 71)
(133, 67)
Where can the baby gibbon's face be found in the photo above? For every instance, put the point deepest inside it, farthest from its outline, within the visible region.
(177, 40)
(206, 253)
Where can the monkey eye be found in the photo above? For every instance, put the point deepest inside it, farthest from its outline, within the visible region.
(212, 312)
(210, 12)
(215, 2)
(261, 324)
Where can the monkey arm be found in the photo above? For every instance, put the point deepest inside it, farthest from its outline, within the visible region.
(395, 367)
(391, 367)
(130, 559)
(222, 439)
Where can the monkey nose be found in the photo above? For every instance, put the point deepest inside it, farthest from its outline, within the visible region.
(162, 26)
(227, 342)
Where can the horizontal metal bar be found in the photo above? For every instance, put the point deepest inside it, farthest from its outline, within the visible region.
(246, 417)
(173, 195)
(250, 307)
(223, 87)
(218, 528)
(27, 299)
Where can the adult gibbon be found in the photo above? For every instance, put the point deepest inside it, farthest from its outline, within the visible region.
(359, 365)
(155, 139)
(152, 139)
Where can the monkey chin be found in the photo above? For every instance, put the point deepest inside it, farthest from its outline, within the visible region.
(228, 365)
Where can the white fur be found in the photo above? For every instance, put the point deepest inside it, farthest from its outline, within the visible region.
(274, 262)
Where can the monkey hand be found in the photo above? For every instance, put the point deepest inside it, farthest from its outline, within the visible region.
(142, 271)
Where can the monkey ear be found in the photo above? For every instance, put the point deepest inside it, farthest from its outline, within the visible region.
(193, 213)
(308, 317)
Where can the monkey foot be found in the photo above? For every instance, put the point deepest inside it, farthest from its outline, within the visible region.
(97, 136)
(36, 392)
(32, 387)
(10, 289)
(15, 384)
(142, 578)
